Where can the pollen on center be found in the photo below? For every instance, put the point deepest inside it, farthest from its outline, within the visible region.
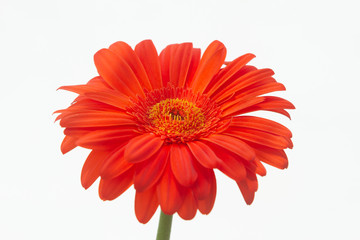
(176, 116)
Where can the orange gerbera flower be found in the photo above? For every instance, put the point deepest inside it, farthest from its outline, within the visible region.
(164, 122)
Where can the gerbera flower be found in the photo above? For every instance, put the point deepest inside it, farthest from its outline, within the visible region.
(164, 122)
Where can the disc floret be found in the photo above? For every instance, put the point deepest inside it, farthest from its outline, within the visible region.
(175, 114)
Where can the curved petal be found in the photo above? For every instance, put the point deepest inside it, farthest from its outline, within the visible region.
(87, 105)
(269, 105)
(209, 65)
(109, 189)
(260, 169)
(274, 157)
(124, 51)
(117, 73)
(194, 63)
(148, 172)
(105, 138)
(179, 65)
(95, 83)
(142, 147)
(203, 154)
(170, 194)
(148, 56)
(68, 144)
(110, 97)
(232, 166)
(115, 164)
(182, 166)
(146, 204)
(260, 137)
(232, 68)
(248, 187)
(242, 82)
(91, 169)
(276, 102)
(205, 205)
(189, 207)
(261, 124)
(98, 82)
(255, 167)
(204, 183)
(232, 144)
(96, 119)
(246, 192)
(240, 105)
(244, 70)
(79, 89)
(165, 61)
(263, 87)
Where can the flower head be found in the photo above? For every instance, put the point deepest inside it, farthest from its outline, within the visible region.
(164, 122)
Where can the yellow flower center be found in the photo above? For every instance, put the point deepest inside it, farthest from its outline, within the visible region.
(176, 117)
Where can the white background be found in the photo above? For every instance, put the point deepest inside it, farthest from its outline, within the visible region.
(313, 46)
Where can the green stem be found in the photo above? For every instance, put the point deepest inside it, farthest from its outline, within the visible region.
(164, 228)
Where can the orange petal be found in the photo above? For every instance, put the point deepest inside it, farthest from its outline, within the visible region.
(270, 103)
(146, 204)
(260, 169)
(189, 207)
(194, 63)
(147, 54)
(203, 154)
(110, 97)
(142, 147)
(95, 83)
(231, 165)
(124, 51)
(261, 124)
(98, 82)
(203, 185)
(117, 73)
(246, 192)
(77, 132)
(107, 96)
(91, 169)
(209, 65)
(263, 87)
(274, 157)
(169, 192)
(277, 102)
(205, 205)
(180, 64)
(243, 82)
(109, 189)
(248, 187)
(79, 89)
(232, 144)
(105, 138)
(260, 137)
(239, 105)
(165, 61)
(251, 181)
(229, 71)
(244, 70)
(84, 104)
(115, 164)
(255, 167)
(148, 173)
(96, 119)
(68, 144)
(181, 161)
